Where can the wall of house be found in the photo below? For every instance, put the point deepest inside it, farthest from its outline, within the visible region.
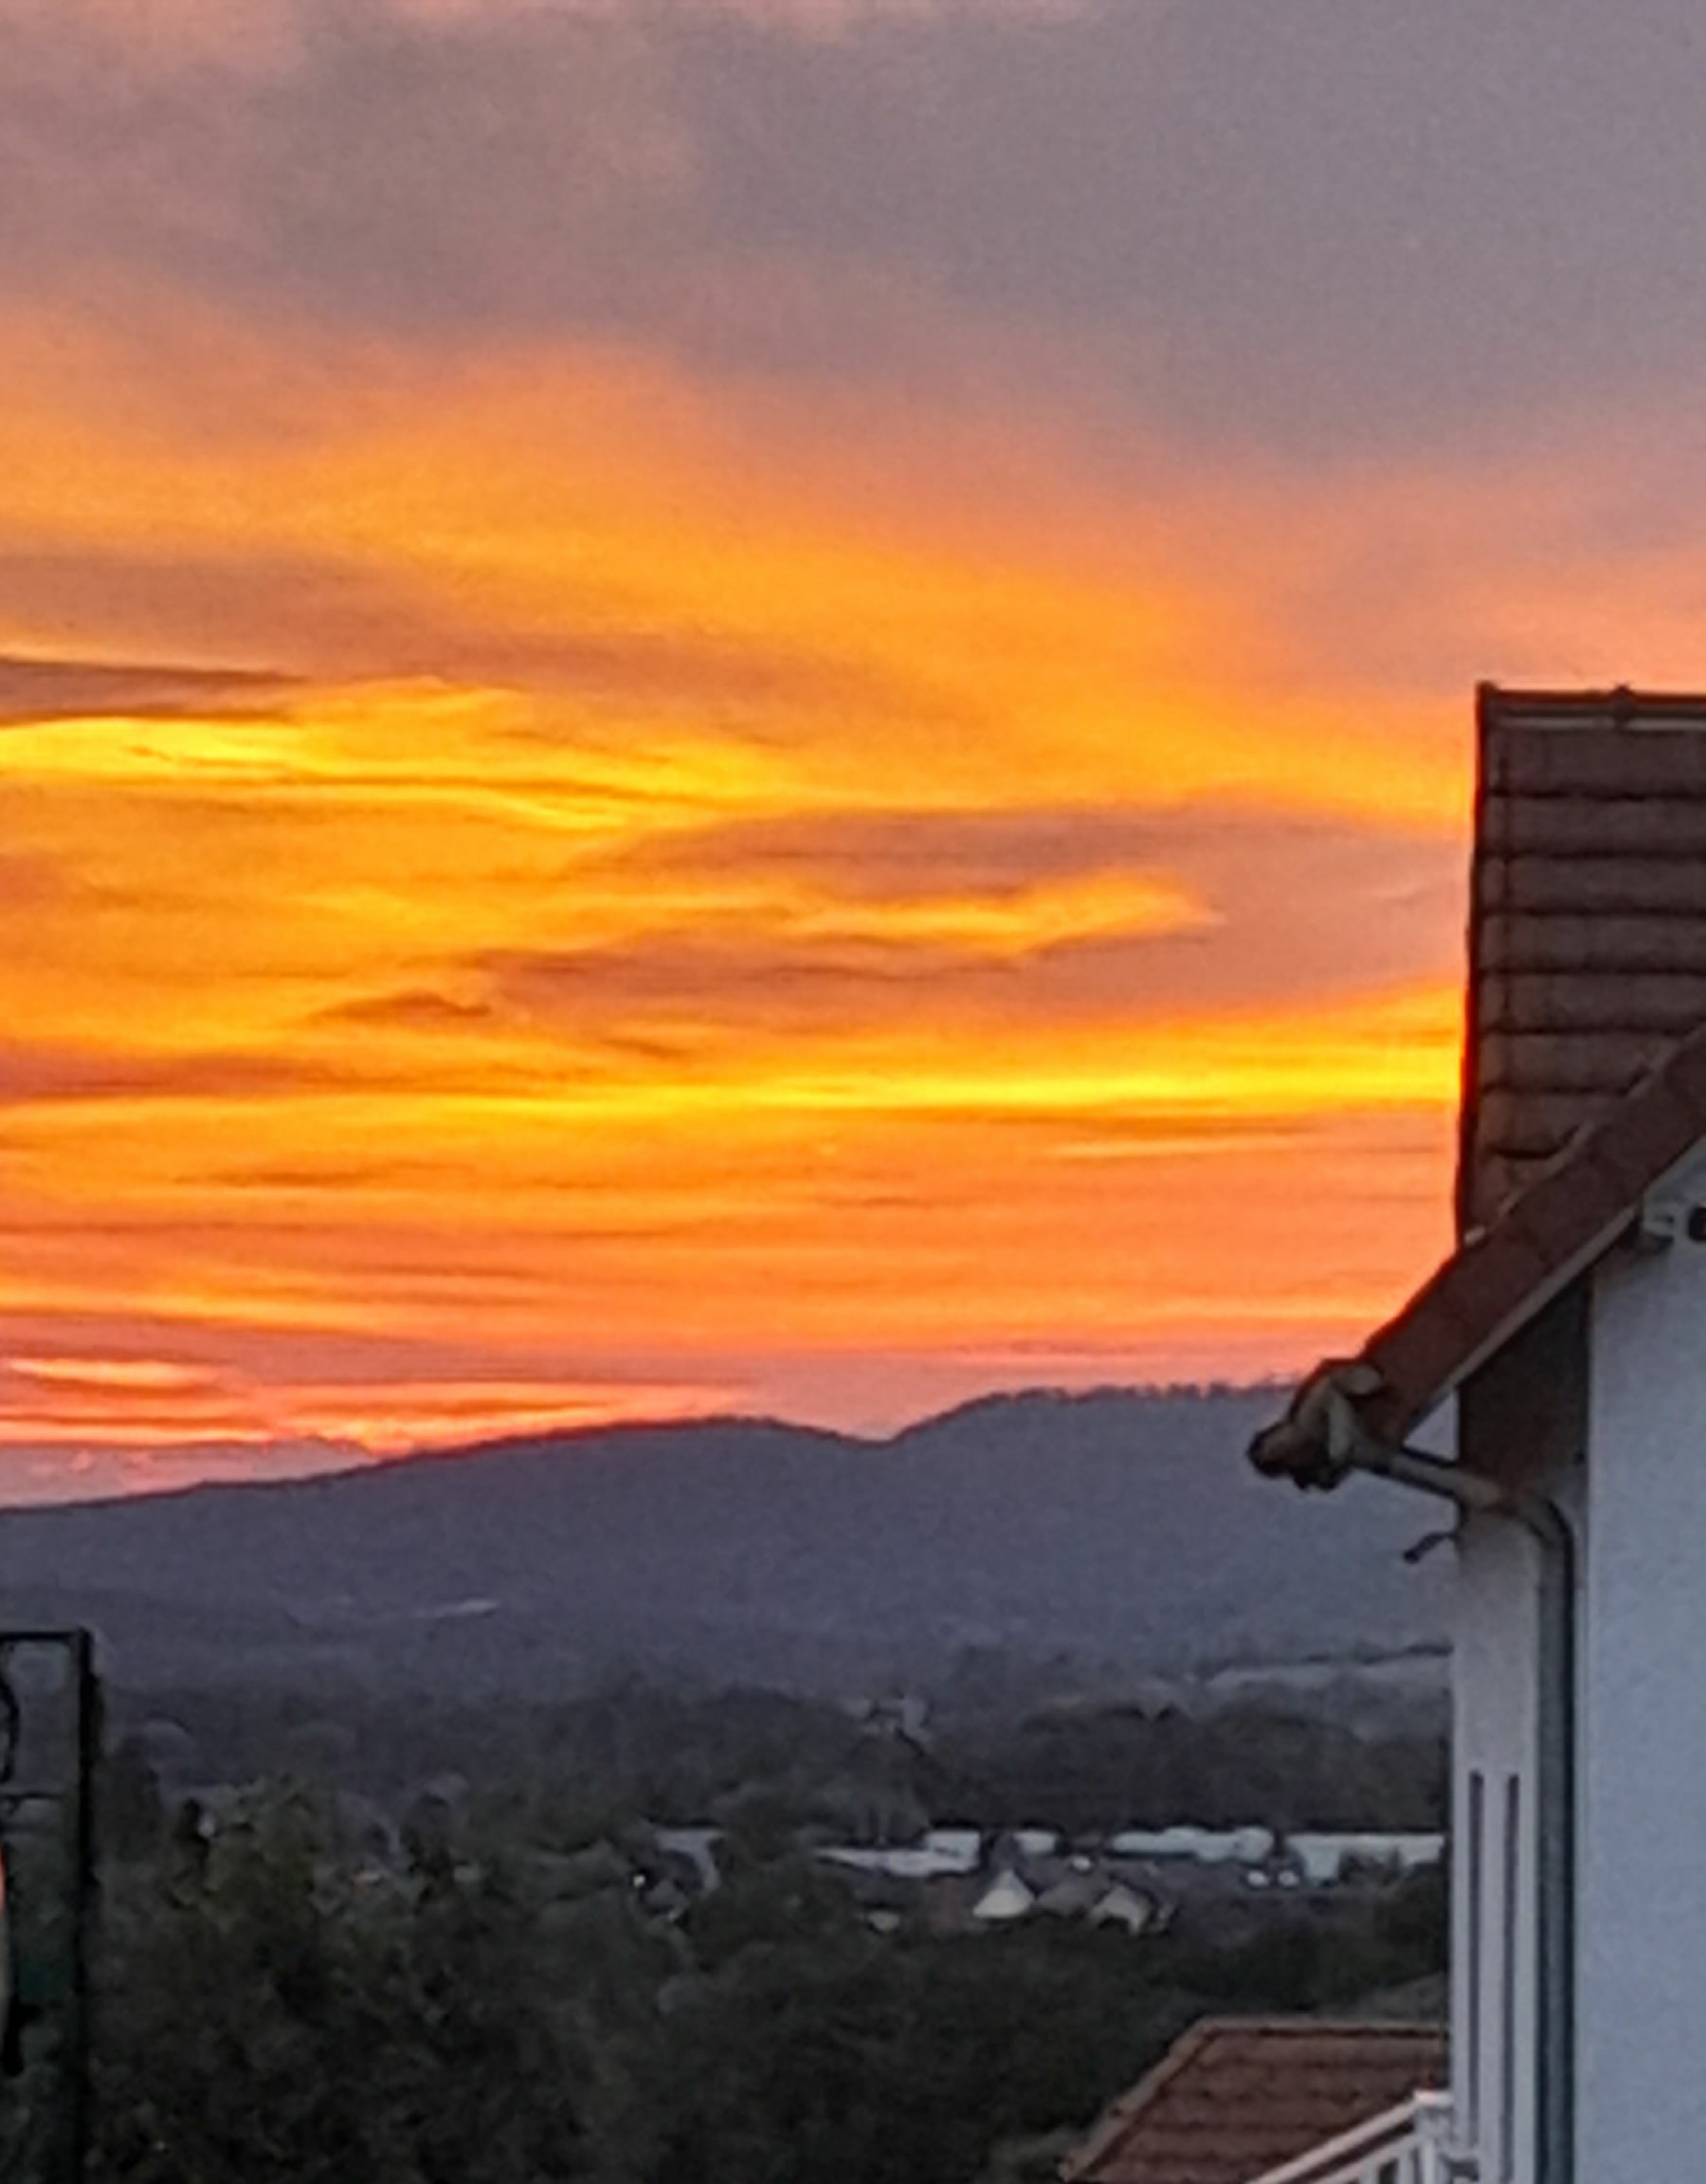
(1495, 1685)
(1522, 1420)
(1641, 1913)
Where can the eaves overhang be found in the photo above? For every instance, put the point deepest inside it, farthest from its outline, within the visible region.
(1580, 1207)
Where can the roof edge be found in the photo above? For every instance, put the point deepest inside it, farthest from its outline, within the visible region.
(1499, 1278)
(1128, 2108)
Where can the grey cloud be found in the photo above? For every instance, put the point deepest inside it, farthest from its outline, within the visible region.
(1232, 860)
(1325, 221)
(1299, 912)
(1321, 224)
(390, 175)
(699, 993)
(907, 855)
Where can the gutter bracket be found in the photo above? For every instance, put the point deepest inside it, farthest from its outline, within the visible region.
(1665, 1220)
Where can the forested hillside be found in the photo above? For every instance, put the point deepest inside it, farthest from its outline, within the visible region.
(1122, 1527)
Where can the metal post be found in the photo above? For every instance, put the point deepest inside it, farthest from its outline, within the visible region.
(87, 1731)
(47, 1825)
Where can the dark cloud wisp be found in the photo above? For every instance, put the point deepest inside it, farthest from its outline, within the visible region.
(34, 690)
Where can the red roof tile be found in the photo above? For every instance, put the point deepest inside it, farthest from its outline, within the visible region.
(1238, 2096)
(1587, 918)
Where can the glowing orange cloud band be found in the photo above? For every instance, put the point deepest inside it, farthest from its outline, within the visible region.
(524, 903)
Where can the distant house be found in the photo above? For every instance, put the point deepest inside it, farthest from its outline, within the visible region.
(1008, 1896)
(1129, 1908)
(1317, 1858)
(1080, 1887)
(926, 1861)
(1568, 1329)
(1140, 1881)
(1073, 1895)
(1203, 1846)
(1249, 2101)
(697, 1847)
(1323, 1860)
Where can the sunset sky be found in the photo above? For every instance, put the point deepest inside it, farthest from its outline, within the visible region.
(766, 705)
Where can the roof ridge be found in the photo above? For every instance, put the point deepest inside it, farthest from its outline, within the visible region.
(1612, 707)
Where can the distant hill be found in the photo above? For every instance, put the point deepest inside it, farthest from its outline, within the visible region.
(1123, 1527)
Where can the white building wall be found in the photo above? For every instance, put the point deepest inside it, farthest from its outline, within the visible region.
(1641, 2078)
(1495, 1687)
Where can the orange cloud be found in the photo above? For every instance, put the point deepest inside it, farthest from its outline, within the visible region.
(127, 1375)
(689, 933)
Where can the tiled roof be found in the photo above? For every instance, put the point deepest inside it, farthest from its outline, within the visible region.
(1584, 1047)
(1587, 918)
(1238, 2096)
(1505, 1274)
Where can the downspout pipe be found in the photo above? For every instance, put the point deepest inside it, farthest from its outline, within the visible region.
(1552, 1530)
(1540, 1516)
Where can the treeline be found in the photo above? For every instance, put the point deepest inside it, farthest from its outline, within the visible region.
(495, 2004)
(1091, 1770)
(684, 1757)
